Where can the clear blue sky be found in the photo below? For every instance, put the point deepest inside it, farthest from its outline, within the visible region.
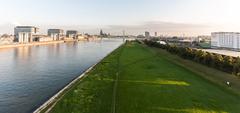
(175, 16)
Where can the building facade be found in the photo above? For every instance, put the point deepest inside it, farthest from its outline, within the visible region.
(72, 34)
(147, 34)
(24, 34)
(230, 40)
(42, 38)
(56, 34)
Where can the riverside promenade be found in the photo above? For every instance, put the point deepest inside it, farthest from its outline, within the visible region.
(29, 44)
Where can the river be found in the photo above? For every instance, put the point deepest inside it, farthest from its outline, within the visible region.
(31, 75)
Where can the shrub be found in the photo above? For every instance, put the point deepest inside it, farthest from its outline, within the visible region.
(224, 63)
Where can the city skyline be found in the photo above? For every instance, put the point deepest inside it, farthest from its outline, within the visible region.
(185, 17)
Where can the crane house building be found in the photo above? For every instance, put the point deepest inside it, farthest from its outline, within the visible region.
(24, 34)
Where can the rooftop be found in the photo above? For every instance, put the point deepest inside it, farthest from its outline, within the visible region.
(25, 27)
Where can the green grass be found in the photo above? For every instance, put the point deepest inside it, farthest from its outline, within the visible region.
(150, 81)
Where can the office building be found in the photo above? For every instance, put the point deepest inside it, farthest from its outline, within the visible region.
(24, 34)
(56, 34)
(230, 40)
(72, 34)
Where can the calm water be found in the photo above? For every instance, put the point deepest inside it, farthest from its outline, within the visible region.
(31, 75)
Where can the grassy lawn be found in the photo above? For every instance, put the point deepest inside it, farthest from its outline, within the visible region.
(149, 81)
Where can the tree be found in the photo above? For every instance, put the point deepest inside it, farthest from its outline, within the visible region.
(209, 59)
(236, 66)
(218, 61)
(199, 57)
(228, 64)
(221, 62)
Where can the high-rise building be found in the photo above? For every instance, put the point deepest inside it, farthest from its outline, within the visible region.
(147, 34)
(24, 34)
(156, 34)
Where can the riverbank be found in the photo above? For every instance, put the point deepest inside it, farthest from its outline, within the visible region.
(52, 101)
(136, 78)
(43, 43)
(30, 44)
(49, 104)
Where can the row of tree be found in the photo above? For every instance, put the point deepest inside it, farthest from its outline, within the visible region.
(221, 62)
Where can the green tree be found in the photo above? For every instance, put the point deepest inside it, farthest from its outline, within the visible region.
(236, 66)
(209, 59)
(228, 64)
(200, 55)
(218, 61)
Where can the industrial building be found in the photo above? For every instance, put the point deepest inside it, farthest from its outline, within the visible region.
(229, 40)
(24, 34)
(56, 34)
(72, 34)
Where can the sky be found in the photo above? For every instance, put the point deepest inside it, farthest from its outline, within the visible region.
(167, 17)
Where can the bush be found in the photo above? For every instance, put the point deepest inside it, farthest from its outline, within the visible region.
(224, 63)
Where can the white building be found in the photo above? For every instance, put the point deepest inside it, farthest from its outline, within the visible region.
(230, 40)
(42, 38)
(56, 34)
(24, 34)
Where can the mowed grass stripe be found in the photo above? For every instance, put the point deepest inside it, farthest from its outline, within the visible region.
(149, 82)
